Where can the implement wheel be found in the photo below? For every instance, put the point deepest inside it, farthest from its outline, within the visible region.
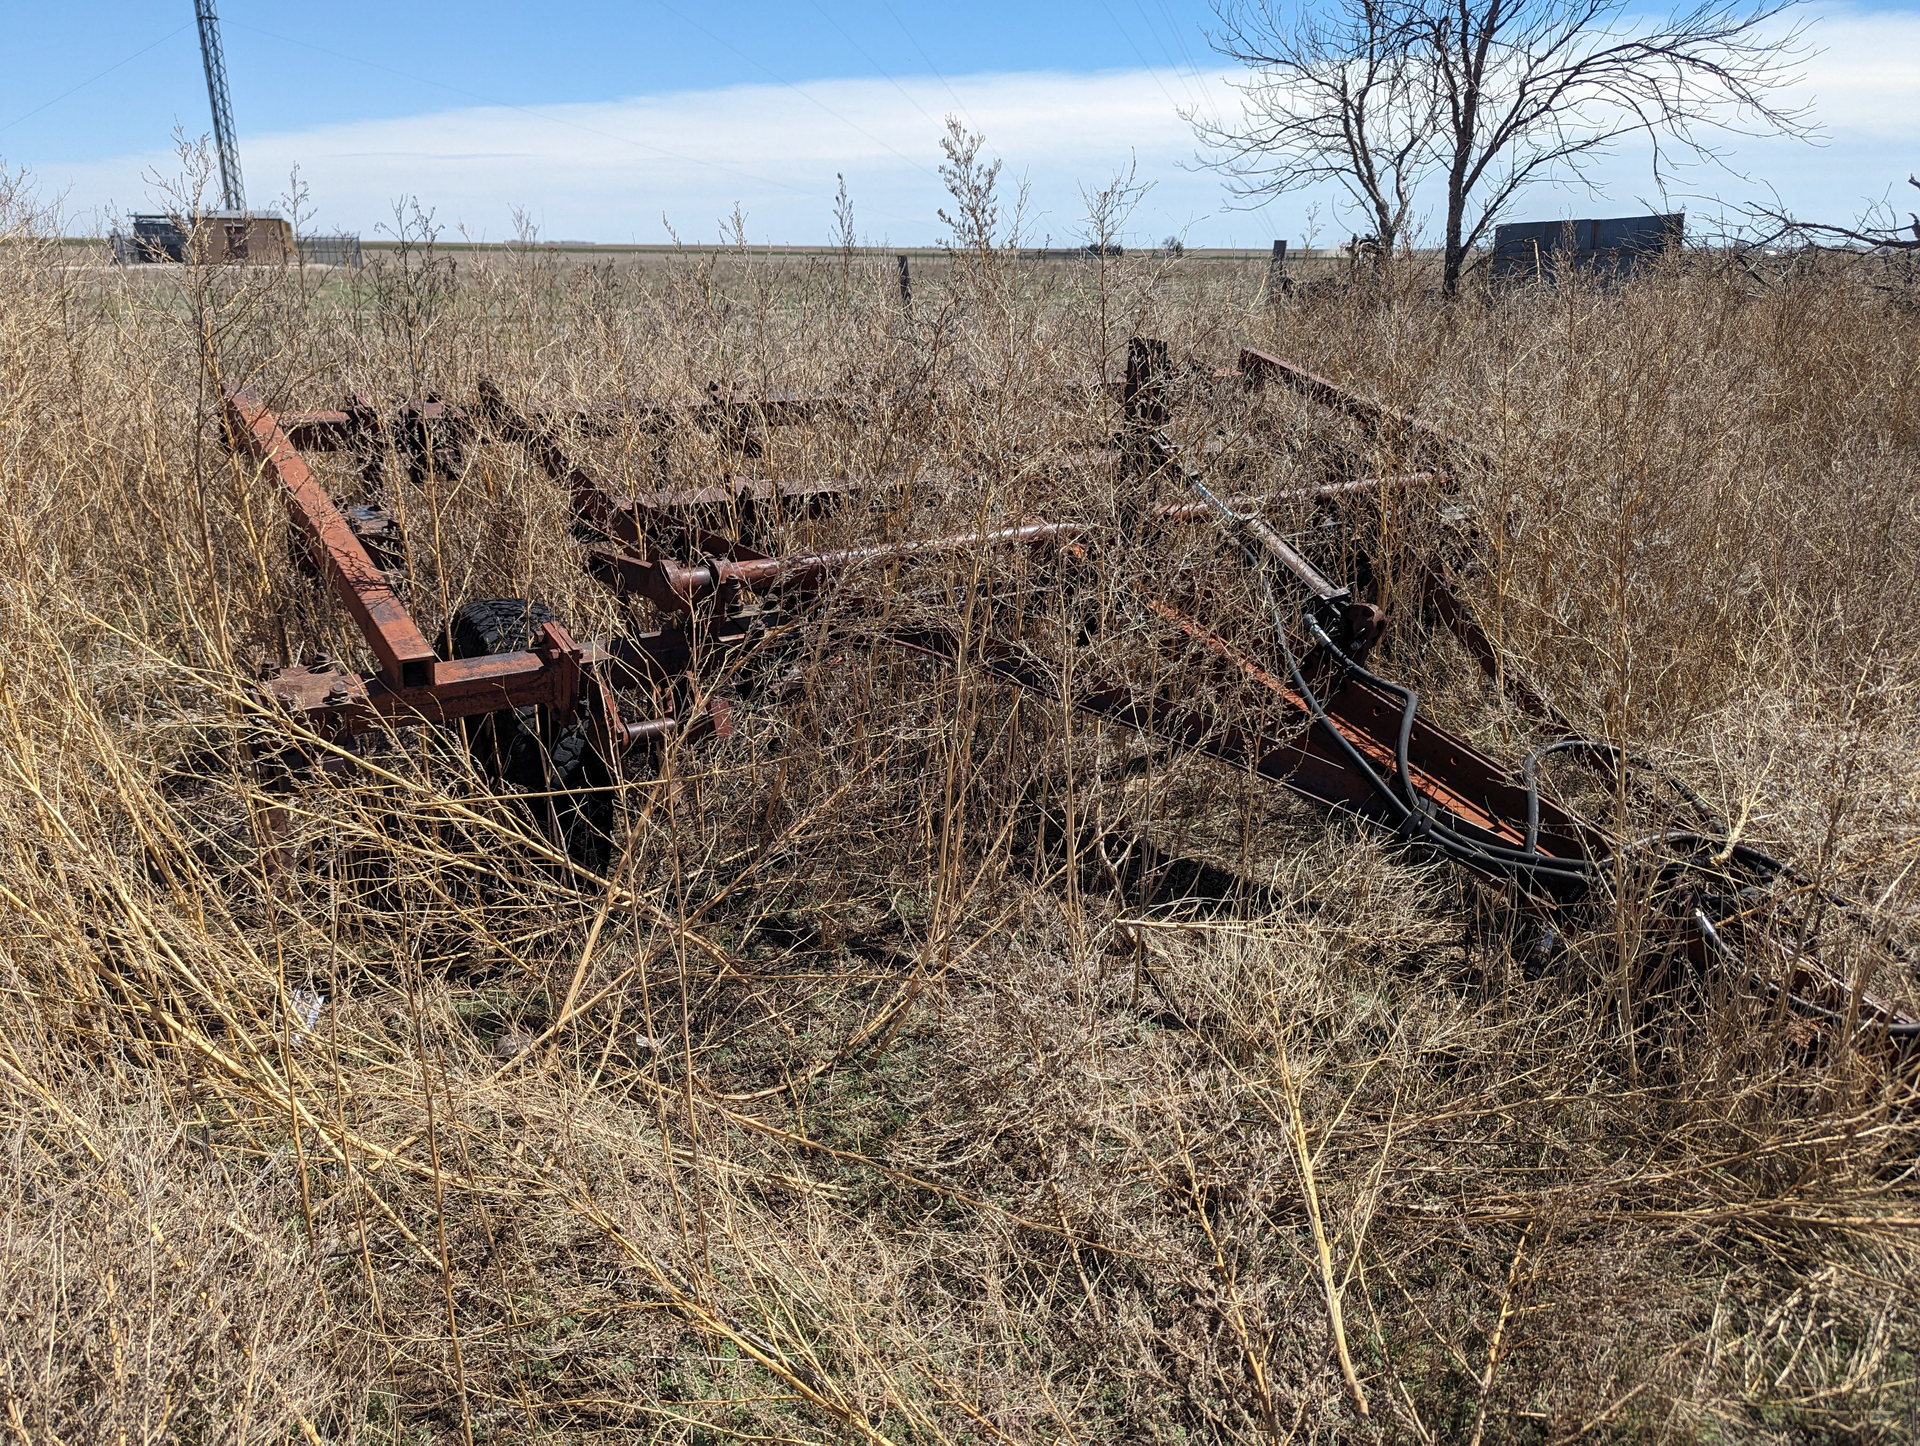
(534, 748)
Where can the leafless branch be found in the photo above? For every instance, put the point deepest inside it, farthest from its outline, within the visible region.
(1484, 97)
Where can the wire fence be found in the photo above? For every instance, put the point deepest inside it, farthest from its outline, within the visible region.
(340, 249)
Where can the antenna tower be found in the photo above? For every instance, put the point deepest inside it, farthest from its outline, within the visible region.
(232, 194)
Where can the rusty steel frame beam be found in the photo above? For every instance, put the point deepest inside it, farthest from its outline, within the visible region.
(1380, 421)
(333, 430)
(1435, 581)
(1325, 754)
(406, 658)
(630, 518)
(1470, 788)
(720, 410)
(676, 587)
(1802, 970)
(413, 680)
(548, 675)
(1254, 503)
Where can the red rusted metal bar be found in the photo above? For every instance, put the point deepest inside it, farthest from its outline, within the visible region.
(1324, 589)
(719, 408)
(343, 702)
(632, 518)
(413, 680)
(318, 431)
(1478, 793)
(1475, 793)
(590, 498)
(406, 658)
(1436, 586)
(714, 720)
(330, 431)
(1380, 420)
(677, 587)
(1257, 502)
(753, 489)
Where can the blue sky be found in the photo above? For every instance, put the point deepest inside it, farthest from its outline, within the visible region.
(597, 120)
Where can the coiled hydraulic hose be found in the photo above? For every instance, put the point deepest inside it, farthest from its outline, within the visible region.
(1569, 879)
(1411, 812)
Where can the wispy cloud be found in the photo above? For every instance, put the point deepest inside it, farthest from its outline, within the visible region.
(611, 171)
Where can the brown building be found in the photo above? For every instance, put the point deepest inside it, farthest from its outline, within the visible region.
(230, 237)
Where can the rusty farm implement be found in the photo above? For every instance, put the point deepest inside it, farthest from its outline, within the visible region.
(1291, 698)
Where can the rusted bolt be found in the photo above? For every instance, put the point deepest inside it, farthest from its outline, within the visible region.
(320, 664)
(338, 692)
(268, 667)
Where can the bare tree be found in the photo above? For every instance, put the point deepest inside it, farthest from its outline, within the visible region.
(1483, 97)
(1336, 95)
(1865, 232)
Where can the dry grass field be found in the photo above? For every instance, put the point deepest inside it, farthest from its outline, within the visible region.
(861, 1091)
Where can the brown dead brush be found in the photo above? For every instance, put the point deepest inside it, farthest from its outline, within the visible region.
(894, 1079)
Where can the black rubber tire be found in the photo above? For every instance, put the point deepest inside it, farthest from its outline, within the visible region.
(507, 744)
(494, 625)
(531, 747)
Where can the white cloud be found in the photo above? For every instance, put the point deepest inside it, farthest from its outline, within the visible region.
(608, 171)
(1866, 81)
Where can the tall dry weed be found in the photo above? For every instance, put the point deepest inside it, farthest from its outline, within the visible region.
(873, 1090)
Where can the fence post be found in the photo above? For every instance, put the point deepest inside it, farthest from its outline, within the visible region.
(1146, 405)
(906, 284)
(1277, 279)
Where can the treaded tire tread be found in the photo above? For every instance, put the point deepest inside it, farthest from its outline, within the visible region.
(527, 746)
(495, 625)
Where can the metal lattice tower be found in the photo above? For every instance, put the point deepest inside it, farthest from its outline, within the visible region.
(232, 193)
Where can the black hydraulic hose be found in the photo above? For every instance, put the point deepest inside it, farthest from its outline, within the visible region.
(1745, 853)
(1416, 814)
(1411, 810)
(1801, 1004)
(1307, 695)
(1319, 713)
(1523, 860)
(1616, 755)
(1532, 782)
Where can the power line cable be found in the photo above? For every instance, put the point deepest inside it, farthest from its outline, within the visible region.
(914, 41)
(92, 78)
(550, 119)
(1207, 96)
(782, 80)
(867, 56)
(1183, 75)
(1179, 34)
(1140, 54)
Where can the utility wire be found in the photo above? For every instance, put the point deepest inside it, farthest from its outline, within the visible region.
(92, 78)
(550, 119)
(1145, 64)
(827, 16)
(914, 41)
(782, 80)
(1185, 73)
